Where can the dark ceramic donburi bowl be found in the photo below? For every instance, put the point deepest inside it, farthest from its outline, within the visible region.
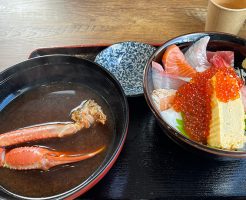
(41, 71)
(218, 41)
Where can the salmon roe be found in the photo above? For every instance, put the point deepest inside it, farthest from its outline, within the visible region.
(193, 99)
(226, 87)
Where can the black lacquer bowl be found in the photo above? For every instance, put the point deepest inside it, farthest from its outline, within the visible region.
(218, 41)
(67, 69)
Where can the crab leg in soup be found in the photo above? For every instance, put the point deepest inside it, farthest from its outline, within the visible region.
(84, 116)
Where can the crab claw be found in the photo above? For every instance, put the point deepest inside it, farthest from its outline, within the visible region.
(24, 158)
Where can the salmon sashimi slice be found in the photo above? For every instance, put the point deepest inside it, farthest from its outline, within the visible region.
(175, 64)
(166, 102)
(163, 98)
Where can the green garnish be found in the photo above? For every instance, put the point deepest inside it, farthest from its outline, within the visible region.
(180, 127)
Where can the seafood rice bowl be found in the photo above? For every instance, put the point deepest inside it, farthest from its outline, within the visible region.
(195, 86)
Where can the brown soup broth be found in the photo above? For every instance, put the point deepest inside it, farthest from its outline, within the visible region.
(53, 103)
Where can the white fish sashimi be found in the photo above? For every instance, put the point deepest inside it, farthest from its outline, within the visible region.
(196, 55)
(171, 116)
(157, 66)
(162, 80)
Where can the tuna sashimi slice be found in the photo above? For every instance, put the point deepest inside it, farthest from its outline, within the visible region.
(228, 56)
(218, 61)
(196, 55)
(175, 64)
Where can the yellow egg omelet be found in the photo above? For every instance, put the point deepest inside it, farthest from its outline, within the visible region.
(227, 123)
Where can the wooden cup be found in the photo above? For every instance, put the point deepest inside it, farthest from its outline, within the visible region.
(225, 15)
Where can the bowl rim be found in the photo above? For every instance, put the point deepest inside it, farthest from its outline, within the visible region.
(102, 170)
(169, 129)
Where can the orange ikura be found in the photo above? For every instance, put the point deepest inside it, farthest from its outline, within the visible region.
(193, 99)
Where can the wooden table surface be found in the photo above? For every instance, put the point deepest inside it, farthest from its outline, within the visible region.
(29, 24)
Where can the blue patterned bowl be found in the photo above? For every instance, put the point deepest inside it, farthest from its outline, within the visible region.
(126, 61)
